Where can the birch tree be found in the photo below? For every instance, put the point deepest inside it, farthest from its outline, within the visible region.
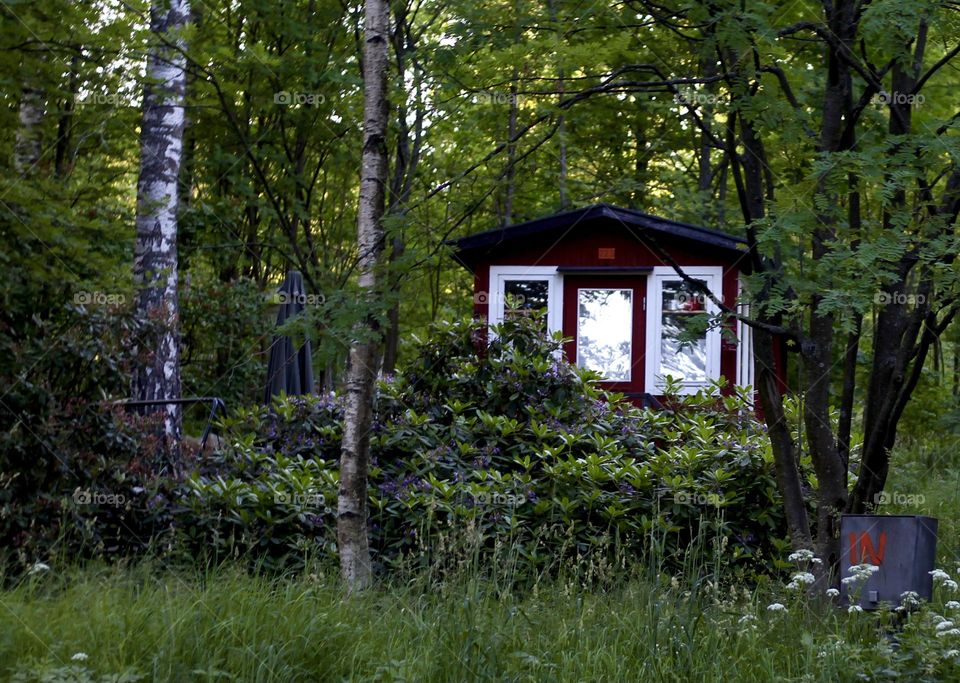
(365, 349)
(30, 115)
(155, 258)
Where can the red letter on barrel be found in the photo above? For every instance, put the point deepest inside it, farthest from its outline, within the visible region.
(865, 543)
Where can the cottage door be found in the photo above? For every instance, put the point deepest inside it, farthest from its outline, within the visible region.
(604, 316)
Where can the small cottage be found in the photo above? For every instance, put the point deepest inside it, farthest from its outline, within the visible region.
(605, 276)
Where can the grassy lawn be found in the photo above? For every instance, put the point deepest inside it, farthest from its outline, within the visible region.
(228, 626)
(165, 626)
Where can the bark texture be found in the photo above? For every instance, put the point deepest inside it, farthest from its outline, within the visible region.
(29, 141)
(155, 257)
(364, 354)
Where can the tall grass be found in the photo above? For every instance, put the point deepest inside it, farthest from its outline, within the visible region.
(228, 625)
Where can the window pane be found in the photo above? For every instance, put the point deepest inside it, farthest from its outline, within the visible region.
(523, 296)
(605, 332)
(683, 333)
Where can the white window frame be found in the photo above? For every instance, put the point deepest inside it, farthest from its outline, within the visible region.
(633, 304)
(496, 299)
(744, 341)
(713, 275)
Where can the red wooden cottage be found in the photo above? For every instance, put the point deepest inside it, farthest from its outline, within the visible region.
(605, 277)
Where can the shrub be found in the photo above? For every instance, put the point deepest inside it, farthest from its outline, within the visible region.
(72, 479)
(509, 445)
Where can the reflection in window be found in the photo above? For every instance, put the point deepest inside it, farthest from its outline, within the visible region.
(521, 297)
(605, 332)
(683, 333)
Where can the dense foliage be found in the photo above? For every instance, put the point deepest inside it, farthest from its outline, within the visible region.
(505, 446)
(73, 479)
(480, 445)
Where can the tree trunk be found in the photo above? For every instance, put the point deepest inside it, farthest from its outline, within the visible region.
(364, 351)
(817, 349)
(29, 142)
(155, 259)
(785, 458)
(562, 119)
(62, 165)
(749, 180)
(406, 162)
(391, 349)
(511, 171)
(896, 331)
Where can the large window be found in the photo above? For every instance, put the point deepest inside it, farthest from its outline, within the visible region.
(519, 290)
(605, 332)
(683, 344)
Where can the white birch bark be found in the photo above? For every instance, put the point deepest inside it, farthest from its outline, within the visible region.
(155, 258)
(29, 141)
(364, 355)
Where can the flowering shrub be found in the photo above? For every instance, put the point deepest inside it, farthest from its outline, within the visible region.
(507, 444)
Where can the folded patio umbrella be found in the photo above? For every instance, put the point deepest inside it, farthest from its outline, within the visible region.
(290, 370)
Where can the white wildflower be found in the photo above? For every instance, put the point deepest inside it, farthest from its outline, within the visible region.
(944, 625)
(833, 593)
(951, 653)
(910, 598)
(802, 555)
(746, 619)
(859, 572)
(80, 657)
(939, 576)
(952, 604)
(950, 584)
(852, 609)
(800, 579)
(951, 632)
(776, 607)
(39, 567)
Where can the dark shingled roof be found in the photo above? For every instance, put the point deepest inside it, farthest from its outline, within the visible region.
(467, 249)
